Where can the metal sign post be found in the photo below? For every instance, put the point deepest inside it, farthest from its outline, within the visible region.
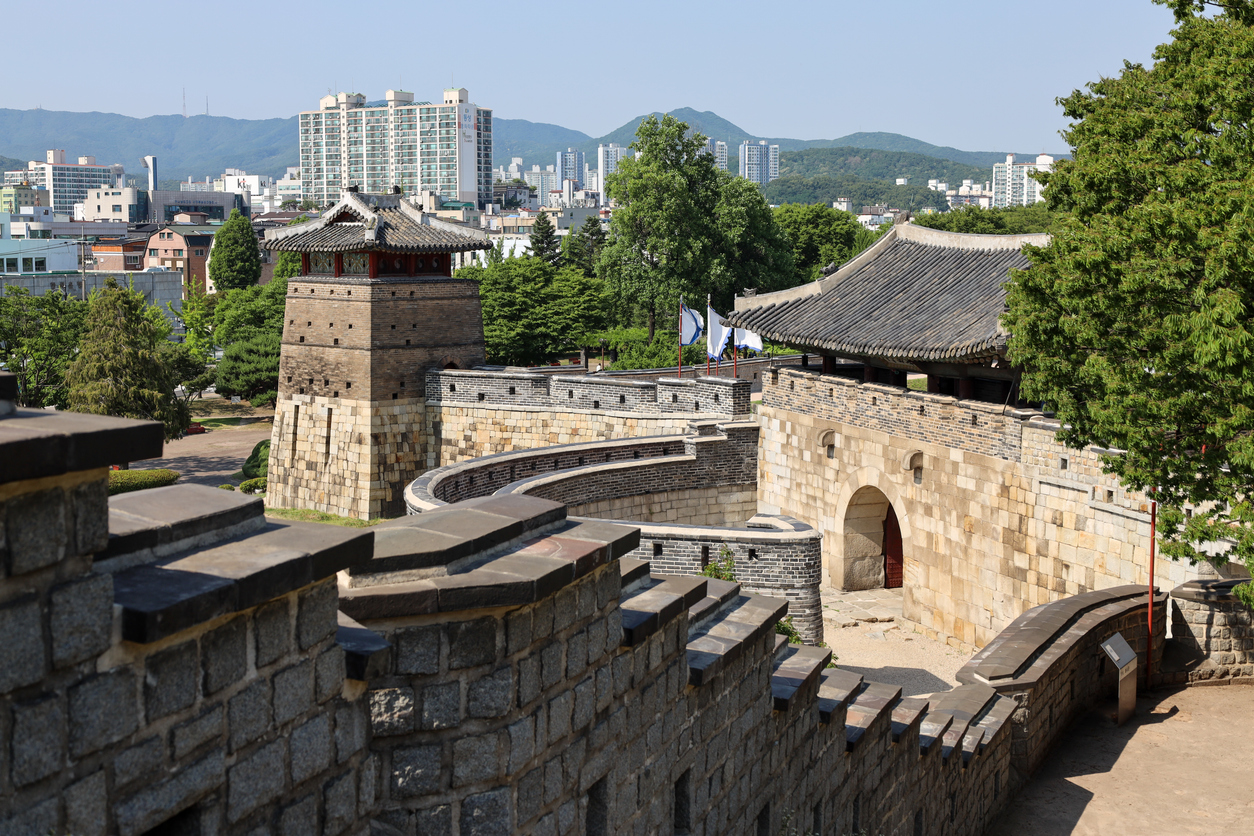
(1121, 653)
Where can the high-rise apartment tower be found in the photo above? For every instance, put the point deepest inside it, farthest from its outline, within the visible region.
(419, 146)
(759, 162)
(1012, 185)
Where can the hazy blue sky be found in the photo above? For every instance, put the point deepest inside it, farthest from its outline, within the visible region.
(978, 75)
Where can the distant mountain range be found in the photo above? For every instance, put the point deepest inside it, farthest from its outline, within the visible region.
(199, 146)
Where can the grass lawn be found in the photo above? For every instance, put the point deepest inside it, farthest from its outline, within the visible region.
(918, 384)
(303, 515)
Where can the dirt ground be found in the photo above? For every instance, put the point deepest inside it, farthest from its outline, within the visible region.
(1180, 765)
(210, 458)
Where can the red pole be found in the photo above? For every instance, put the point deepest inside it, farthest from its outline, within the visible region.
(708, 326)
(1149, 641)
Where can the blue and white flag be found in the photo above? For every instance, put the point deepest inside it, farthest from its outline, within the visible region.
(691, 325)
(717, 335)
(747, 339)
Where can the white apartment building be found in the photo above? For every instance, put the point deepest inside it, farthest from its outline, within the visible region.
(544, 182)
(1011, 184)
(419, 146)
(718, 150)
(759, 162)
(608, 158)
(570, 166)
(513, 172)
(67, 183)
(288, 186)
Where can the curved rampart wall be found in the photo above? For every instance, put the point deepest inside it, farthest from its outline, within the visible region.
(1216, 629)
(687, 480)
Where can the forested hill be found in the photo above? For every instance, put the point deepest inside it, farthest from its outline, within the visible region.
(861, 191)
(878, 165)
(195, 146)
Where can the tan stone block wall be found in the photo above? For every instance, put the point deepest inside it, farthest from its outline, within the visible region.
(351, 458)
(705, 506)
(984, 537)
(468, 432)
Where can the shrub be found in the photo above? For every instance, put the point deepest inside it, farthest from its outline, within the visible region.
(784, 628)
(226, 487)
(125, 481)
(258, 461)
(724, 568)
(253, 485)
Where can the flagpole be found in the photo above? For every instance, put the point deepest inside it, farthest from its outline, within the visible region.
(708, 326)
(680, 338)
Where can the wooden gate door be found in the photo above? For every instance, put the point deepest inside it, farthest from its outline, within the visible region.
(892, 551)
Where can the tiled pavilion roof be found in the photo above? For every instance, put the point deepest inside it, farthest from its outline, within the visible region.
(386, 223)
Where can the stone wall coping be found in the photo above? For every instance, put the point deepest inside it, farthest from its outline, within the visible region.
(522, 486)
(1019, 654)
(36, 443)
(160, 599)
(772, 529)
(1213, 591)
(814, 377)
(162, 517)
(481, 373)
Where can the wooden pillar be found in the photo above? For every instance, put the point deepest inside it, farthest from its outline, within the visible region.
(339, 265)
(933, 384)
(901, 379)
(374, 265)
(304, 264)
(868, 374)
(829, 365)
(409, 264)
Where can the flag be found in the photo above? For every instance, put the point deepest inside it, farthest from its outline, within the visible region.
(748, 339)
(716, 335)
(690, 325)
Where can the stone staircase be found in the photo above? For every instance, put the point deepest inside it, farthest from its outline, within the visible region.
(724, 624)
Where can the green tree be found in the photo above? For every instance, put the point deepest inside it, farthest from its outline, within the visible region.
(234, 260)
(39, 336)
(119, 369)
(288, 264)
(248, 324)
(543, 243)
(532, 310)
(197, 321)
(1134, 323)
(751, 249)
(1008, 220)
(187, 370)
(582, 247)
(820, 236)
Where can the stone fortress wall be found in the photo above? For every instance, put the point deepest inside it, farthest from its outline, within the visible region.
(175, 662)
(684, 480)
(995, 515)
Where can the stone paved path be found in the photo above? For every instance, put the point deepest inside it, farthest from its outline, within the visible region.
(210, 458)
(846, 609)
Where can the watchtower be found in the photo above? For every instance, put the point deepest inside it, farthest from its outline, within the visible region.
(374, 308)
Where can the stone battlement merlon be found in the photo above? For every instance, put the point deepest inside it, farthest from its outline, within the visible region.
(713, 396)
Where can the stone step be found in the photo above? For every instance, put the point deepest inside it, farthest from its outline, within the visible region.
(654, 601)
(837, 688)
(797, 668)
(873, 704)
(632, 572)
(723, 639)
(718, 595)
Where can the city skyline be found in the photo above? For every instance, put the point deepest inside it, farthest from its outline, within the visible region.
(933, 73)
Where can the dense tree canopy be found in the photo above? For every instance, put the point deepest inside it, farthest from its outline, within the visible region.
(862, 192)
(533, 310)
(120, 369)
(1135, 323)
(39, 336)
(234, 260)
(683, 227)
(1012, 220)
(543, 242)
(820, 236)
(248, 325)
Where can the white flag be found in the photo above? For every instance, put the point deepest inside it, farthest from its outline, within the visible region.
(690, 325)
(748, 339)
(716, 339)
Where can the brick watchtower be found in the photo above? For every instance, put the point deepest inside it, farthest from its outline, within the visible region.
(375, 306)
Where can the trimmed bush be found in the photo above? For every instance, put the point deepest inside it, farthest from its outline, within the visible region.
(125, 481)
(253, 485)
(226, 487)
(258, 461)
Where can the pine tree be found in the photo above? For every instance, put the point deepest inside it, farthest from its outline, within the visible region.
(119, 369)
(234, 260)
(544, 243)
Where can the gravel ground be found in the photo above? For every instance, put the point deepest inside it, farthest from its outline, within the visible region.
(895, 655)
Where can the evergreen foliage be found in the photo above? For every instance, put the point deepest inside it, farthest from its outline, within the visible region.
(39, 336)
(125, 481)
(685, 228)
(197, 317)
(1010, 220)
(876, 164)
(533, 310)
(1135, 324)
(582, 247)
(235, 262)
(258, 462)
(543, 243)
(120, 368)
(820, 236)
(248, 324)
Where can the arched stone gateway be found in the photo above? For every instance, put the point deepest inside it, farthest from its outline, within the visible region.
(873, 534)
